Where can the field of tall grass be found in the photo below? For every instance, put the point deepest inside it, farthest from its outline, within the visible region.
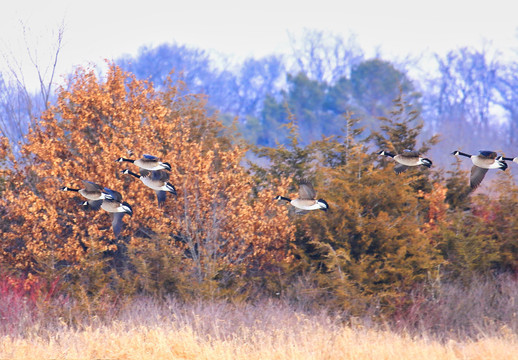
(167, 330)
(478, 323)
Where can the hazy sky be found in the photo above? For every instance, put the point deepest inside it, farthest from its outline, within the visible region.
(95, 30)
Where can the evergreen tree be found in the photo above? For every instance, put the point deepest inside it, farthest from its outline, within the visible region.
(290, 161)
(399, 132)
(459, 191)
(372, 244)
(373, 239)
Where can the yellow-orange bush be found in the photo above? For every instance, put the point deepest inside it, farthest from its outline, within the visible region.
(437, 208)
(215, 218)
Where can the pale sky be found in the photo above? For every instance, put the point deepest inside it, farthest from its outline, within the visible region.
(97, 30)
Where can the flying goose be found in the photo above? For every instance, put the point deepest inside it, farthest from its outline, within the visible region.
(406, 159)
(482, 162)
(114, 205)
(148, 162)
(91, 191)
(501, 158)
(306, 200)
(156, 180)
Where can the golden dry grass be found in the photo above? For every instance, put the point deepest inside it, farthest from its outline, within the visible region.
(312, 342)
(223, 332)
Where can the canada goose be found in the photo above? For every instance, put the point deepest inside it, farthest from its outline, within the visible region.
(148, 162)
(501, 158)
(306, 200)
(156, 180)
(91, 191)
(406, 159)
(114, 205)
(482, 162)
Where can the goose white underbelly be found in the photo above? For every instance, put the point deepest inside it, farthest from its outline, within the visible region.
(407, 161)
(153, 184)
(485, 163)
(306, 204)
(112, 207)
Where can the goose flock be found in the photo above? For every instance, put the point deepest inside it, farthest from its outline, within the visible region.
(482, 162)
(154, 174)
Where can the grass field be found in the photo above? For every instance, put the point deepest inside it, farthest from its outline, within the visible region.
(146, 329)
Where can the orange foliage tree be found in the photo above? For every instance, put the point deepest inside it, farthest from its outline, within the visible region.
(216, 224)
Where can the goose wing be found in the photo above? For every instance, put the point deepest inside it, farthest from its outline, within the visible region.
(114, 195)
(91, 186)
(147, 157)
(160, 175)
(477, 175)
(95, 204)
(410, 153)
(144, 172)
(306, 190)
(399, 168)
(116, 222)
(160, 196)
(300, 211)
(488, 154)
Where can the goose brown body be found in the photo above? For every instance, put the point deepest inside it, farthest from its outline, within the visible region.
(406, 159)
(156, 180)
(91, 191)
(482, 162)
(148, 162)
(117, 208)
(307, 199)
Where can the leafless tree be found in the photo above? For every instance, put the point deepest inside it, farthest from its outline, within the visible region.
(507, 86)
(465, 89)
(19, 104)
(323, 56)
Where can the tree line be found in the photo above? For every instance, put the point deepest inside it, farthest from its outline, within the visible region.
(225, 236)
(471, 92)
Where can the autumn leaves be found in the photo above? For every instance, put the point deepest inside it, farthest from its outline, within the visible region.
(215, 211)
(221, 230)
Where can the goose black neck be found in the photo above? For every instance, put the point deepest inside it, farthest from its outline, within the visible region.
(134, 174)
(386, 153)
(127, 160)
(507, 159)
(463, 154)
(70, 189)
(285, 198)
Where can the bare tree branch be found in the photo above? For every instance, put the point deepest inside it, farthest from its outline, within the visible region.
(19, 105)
